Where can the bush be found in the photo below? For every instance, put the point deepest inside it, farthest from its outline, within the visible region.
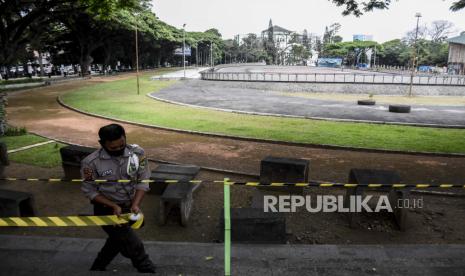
(15, 131)
(16, 81)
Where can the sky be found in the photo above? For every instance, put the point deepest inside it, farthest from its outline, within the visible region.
(233, 17)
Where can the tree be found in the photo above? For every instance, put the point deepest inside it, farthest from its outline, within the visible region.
(270, 46)
(295, 38)
(349, 51)
(337, 39)
(394, 53)
(299, 54)
(413, 34)
(305, 40)
(18, 26)
(458, 5)
(330, 33)
(357, 8)
(24, 21)
(318, 45)
(440, 30)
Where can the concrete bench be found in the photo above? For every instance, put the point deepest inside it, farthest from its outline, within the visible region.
(175, 195)
(71, 157)
(252, 225)
(16, 204)
(3, 159)
(367, 176)
(291, 170)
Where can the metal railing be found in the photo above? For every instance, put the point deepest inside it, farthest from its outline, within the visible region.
(335, 78)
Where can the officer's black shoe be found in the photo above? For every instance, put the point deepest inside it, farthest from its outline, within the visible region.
(149, 269)
(97, 267)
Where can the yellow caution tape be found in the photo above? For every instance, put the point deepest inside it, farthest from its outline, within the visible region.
(68, 221)
(252, 184)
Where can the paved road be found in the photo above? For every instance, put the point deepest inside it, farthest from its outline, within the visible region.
(217, 95)
(24, 255)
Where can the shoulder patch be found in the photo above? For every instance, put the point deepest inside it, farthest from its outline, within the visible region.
(142, 163)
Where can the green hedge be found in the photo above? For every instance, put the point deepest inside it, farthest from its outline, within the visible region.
(22, 80)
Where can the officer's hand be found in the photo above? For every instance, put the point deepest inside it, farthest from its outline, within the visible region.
(135, 209)
(117, 210)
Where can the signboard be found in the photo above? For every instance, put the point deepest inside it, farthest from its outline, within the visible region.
(329, 62)
(187, 51)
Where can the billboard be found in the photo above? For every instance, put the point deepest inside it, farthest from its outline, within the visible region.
(187, 51)
(329, 62)
(362, 37)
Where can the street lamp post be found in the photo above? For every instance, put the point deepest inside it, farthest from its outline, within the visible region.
(211, 54)
(184, 48)
(137, 60)
(417, 15)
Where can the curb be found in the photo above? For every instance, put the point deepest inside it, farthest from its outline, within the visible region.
(241, 138)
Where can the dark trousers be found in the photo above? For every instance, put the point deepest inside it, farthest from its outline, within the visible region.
(121, 239)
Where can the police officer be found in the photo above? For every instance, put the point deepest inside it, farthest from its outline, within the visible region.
(117, 160)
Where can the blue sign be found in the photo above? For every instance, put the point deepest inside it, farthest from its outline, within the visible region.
(329, 62)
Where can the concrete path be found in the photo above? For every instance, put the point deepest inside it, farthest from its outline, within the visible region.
(30, 146)
(191, 73)
(26, 255)
(213, 95)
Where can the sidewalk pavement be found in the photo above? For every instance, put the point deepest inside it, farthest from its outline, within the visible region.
(33, 255)
(191, 73)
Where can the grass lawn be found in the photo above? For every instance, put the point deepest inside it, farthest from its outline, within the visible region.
(118, 99)
(47, 156)
(14, 142)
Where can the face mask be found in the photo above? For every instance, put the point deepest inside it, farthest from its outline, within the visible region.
(116, 153)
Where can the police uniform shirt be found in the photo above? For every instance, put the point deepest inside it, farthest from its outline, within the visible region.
(100, 165)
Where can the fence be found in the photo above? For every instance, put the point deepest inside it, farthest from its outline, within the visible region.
(335, 78)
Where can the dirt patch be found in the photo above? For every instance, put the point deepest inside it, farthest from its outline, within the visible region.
(431, 163)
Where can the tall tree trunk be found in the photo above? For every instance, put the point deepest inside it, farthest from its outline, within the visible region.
(85, 60)
(26, 69)
(41, 65)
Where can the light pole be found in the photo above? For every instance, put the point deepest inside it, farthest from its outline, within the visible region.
(137, 60)
(211, 54)
(417, 15)
(184, 48)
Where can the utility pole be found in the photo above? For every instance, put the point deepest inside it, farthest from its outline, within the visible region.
(184, 49)
(417, 15)
(211, 54)
(137, 60)
(374, 60)
(197, 56)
